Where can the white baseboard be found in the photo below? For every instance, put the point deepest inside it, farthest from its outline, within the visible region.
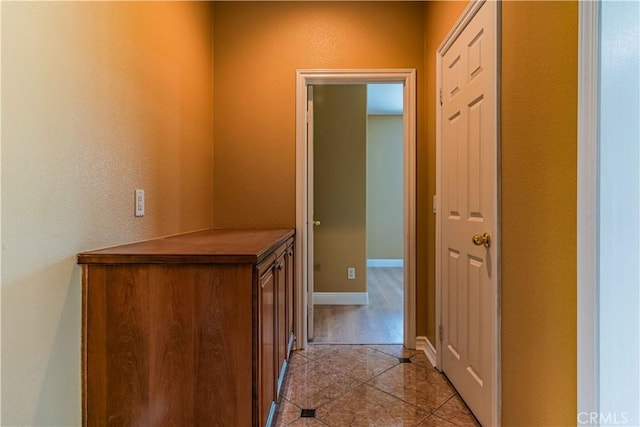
(340, 298)
(423, 343)
(385, 263)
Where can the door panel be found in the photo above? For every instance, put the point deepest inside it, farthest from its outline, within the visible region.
(469, 200)
(453, 296)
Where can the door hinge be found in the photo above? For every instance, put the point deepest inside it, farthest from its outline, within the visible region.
(440, 96)
(441, 332)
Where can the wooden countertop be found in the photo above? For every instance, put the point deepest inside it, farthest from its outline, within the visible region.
(201, 247)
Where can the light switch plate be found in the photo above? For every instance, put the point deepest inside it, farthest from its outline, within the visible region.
(139, 203)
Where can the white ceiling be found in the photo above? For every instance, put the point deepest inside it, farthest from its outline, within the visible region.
(384, 98)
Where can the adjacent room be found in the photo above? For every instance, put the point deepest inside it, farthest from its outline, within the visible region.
(358, 184)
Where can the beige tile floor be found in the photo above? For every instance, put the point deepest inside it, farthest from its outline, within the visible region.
(368, 385)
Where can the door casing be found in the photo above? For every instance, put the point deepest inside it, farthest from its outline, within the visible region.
(607, 380)
(304, 78)
(587, 221)
(468, 14)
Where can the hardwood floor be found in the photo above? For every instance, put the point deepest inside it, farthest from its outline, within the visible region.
(380, 322)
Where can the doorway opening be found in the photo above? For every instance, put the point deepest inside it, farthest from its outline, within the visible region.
(357, 212)
(305, 220)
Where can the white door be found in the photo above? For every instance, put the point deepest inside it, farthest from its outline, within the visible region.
(469, 208)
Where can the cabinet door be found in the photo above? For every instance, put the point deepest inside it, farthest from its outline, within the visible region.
(267, 348)
(281, 319)
(289, 270)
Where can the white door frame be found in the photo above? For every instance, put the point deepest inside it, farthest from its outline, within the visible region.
(601, 391)
(305, 78)
(453, 34)
(588, 130)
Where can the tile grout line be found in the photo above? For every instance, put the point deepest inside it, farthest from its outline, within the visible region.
(348, 389)
(345, 391)
(446, 419)
(357, 382)
(390, 354)
(431, 412)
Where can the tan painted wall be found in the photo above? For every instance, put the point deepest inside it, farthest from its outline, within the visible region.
(440, 16)
(340, 187)
(255, 113)
(97, 99)
(101, 98)
(539, 122)
(258, 47)
(384, 187)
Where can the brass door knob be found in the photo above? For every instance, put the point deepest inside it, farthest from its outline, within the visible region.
(482, 239)
(316, 223)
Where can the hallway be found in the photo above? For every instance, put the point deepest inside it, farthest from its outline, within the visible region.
(367, 385)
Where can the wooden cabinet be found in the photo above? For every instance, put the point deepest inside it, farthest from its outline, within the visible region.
(191, 330)
(289, 310)
(267, 352)
(276, 339)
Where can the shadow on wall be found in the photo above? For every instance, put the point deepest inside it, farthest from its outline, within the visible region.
(47, 311)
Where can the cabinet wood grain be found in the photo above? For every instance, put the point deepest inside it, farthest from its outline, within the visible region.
(267, 345)
(290, 292)
(281, 289)
(182, 343)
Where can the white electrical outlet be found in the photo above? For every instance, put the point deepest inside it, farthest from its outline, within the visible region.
(139, 203)
(351, 273)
